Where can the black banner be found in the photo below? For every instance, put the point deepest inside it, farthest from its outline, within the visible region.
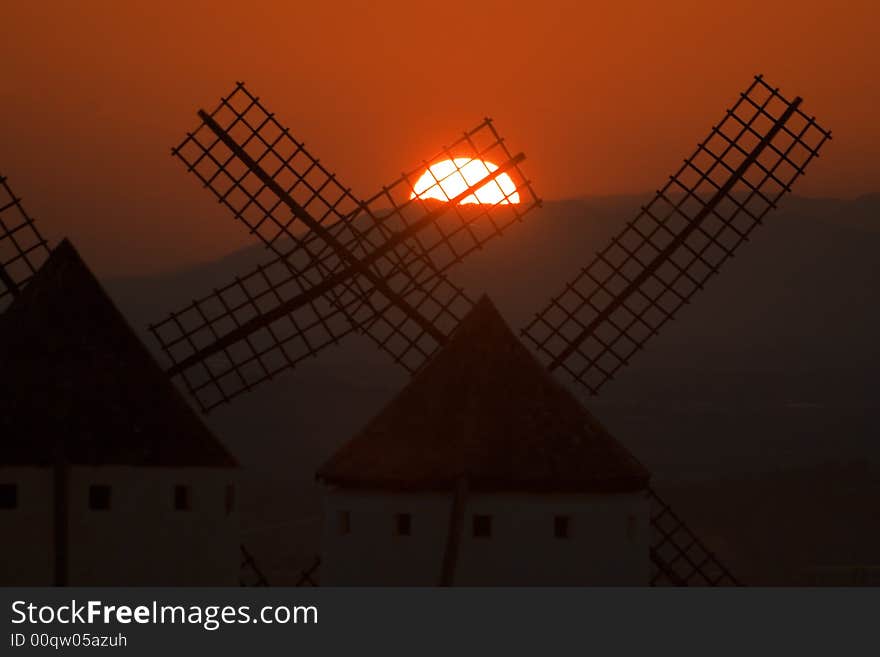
(439, 621)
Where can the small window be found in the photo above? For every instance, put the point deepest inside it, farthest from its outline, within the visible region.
(8, 496)
(402, 524)
(99, 497)
(562, 526)
(482, 526)
(230, 499)
(182, 498)
(343, 522)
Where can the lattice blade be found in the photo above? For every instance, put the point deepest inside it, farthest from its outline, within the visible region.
(441, 234)
(249, 572)
(679, 557)
(22, 249)
(443, 183)
(381, 269)
(460, 225)
(266, 178)
(309, 576)
(250, 162)
(216, 376)
(259, 135)
(261, 324)
(254, 130)
(680, 239)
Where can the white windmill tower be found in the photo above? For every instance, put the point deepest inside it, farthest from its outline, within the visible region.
(107, 477)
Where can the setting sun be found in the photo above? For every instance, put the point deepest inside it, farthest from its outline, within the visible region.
(447, 179)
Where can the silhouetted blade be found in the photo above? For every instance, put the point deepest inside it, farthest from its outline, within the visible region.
(376, 266)
(249, 572)
(680, 239)
(309, 576)
(679, 557)
(22, 249)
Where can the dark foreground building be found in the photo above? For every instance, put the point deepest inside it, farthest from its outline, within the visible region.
(485, 471)
(106, 474)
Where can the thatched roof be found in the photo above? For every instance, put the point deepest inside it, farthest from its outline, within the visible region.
(484, 408)
(72, 372)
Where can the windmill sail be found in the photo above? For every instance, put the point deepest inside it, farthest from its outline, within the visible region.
(663, 257)
(679, 240)
(22, 249)
(340, 264)
(249, 572)
(679, 557)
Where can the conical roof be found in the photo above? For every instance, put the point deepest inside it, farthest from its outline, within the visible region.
(73, 373)
(485, 408)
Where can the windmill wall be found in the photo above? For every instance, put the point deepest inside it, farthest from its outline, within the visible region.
(608, 542)
(26, 530)
(141, 539)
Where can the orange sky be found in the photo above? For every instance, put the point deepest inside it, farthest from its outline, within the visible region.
(603, 99)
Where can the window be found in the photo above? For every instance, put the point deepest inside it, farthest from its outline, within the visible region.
(230, 498)
(562, 526)
(482, 526)
(8, 496)
(343, 522)
(402, 524)
(182, 500)
(99, 497)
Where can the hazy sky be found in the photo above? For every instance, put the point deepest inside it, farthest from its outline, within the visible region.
(603, 99)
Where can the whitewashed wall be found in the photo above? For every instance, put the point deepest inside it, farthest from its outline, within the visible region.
(608, 544)
(140, 540)
(26, 553)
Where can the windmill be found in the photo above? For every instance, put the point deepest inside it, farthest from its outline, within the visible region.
(22, 248)
(640, 281)
(376, 266)
(339, 264)
(664, 256)
(90, 423)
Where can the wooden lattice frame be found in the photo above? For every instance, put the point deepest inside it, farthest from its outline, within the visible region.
(22, 249)
(679, 557)
(250, 573)
(679, 240)
(377, 266)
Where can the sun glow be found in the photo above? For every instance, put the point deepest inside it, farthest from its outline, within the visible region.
(447, 179)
